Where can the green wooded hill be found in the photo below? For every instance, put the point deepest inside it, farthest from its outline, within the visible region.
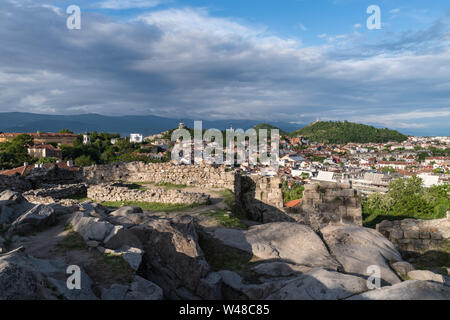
(345, 132)
(268, 127)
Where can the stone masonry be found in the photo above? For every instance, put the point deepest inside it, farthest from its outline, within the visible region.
(414, 235)
(110, 192)
(199, 175)
(329, 202)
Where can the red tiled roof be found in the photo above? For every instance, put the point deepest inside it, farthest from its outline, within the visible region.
(24, 170)
(293, 203)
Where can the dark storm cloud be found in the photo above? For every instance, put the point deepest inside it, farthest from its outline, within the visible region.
(186, 63)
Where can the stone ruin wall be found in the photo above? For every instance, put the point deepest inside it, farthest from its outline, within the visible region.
(412, 235)
(328, 202)
(14, 183)
(260, 198)
(111, 192)
(193, 175)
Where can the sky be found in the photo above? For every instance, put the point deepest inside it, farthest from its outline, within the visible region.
(291, 60)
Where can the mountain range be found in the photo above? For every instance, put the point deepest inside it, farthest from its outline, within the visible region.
(124, 125)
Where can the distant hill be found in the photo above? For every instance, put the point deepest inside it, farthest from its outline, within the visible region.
(268, 127)
(345, 132)
(124, 125)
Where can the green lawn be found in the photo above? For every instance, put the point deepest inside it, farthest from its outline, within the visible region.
(226, 219)
(151, 206)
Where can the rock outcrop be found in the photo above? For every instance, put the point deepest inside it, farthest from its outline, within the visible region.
(358, 248)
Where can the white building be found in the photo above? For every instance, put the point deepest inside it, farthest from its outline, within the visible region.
(136, 138)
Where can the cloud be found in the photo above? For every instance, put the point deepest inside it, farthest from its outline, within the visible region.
(188, 63)
(128, 4)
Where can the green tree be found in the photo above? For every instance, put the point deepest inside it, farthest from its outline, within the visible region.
(84, 161)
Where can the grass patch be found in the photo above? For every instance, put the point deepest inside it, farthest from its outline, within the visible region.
(80, 198)
(136, 186)
(225, 219)
(151, 206)
(72, 241)
(221, 257)
(117, 265)
(228, 197)
(436, 259)
(170, 185)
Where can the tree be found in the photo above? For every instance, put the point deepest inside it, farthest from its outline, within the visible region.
(65, 131)
(84, 161)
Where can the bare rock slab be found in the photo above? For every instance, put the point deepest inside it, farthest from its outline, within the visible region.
(320, 284)
(293, 242)
(357, 248)
(408, 290)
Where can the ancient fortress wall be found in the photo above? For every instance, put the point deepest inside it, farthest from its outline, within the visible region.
(197, 175)
(110, 192)
(329, 202)
(416, 235)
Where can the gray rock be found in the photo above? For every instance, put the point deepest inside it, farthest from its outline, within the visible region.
(36, 219)
(293, 242)
(142, 289)
(320, 284)
(279, 269)
(402, 268)
(408, 290)
(425, 275)
(133, 256)
(20, 280)
(357, 248)
(115, 292)
(90, 228)
(210, 287)
(56, 273)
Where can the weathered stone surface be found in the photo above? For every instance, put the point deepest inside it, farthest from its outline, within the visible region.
(408, 290)
(117, 192)
(425, 275)
(171, 252)
(142, 289)
(115, 292)
(415, 235)
(357, 248)
(36, 219)
(279, 269)
(325, 203)
(20, 280)
(12, 206)
(90, 228)
(402, 268)
(210, 287)
(320, 284)
(55, 273)
(292, 242)
(234, 287)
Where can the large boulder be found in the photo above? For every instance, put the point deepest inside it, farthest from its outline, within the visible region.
(127, 216)
(357, 248)
(426, 275)
(171, 252)
(142, 289)
(320, 284)
(292, 242)
(12, 205)
(36, 219)
(408, 290)
(90, 228)
(20, 280)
